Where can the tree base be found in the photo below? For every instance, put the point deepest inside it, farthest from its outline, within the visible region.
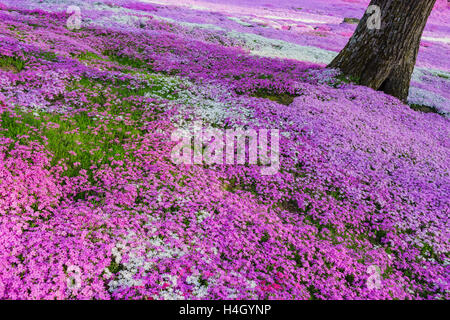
(384, 59)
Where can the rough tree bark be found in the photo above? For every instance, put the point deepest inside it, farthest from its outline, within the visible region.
(384, 59)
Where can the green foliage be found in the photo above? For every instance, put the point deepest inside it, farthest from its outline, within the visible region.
(342, 78)
(88, 56)
(14, 64)
(443, 75)
(424, 108)
(282, 98)
(351, 20)
(77, 139)
(115, 267)
(265, 237)
(122, 88)
(47, 56)
(127, 60)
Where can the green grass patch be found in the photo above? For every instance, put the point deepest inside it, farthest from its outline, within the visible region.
(351, 20)
(127, 60)
(159, 86)
(47, 56)
(443, 76)
(341, 79)
(80, 139)
(14, 64)
(88, 56)
(282, 98)
(424, 108)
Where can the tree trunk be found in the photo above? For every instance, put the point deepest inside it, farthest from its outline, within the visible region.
(384, 59)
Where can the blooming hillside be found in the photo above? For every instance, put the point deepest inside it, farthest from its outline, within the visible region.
(93, 207)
